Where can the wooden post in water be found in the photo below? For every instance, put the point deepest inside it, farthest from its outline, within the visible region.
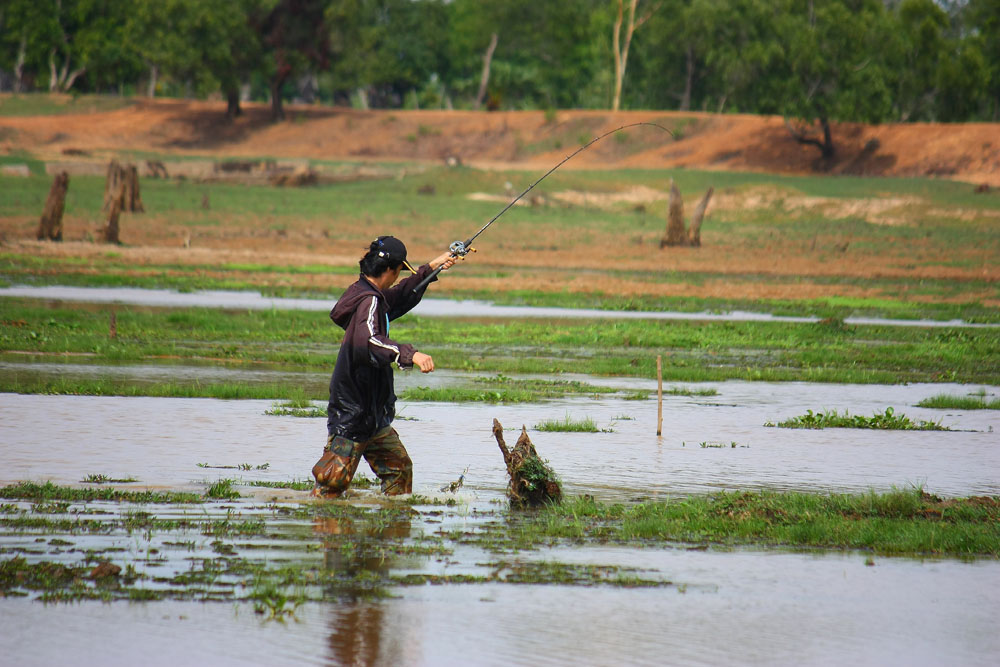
(659, 394)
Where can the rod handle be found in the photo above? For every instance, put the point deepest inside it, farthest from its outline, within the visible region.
(426, 281)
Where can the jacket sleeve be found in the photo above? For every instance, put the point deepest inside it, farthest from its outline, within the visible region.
(401, 299)
(371, 342)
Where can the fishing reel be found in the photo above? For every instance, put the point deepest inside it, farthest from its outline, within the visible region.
(461, 248)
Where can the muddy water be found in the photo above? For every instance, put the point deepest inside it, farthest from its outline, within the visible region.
(428, 307)
(753, 609)
(744, 606)
(161, 441)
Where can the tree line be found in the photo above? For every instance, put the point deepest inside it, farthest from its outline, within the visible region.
(816, 60)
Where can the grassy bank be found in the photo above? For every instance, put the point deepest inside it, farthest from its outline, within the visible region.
(692, 351)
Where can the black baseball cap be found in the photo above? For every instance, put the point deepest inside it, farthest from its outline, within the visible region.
(393, 250)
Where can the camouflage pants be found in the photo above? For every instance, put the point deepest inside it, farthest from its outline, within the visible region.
(384, 453)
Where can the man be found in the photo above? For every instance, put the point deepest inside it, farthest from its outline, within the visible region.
(362, 401)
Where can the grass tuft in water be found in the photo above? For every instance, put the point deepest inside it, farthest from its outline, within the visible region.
(972, 402)
(298, 408)
(888, 420)
(568, 425)
(105, 479)
(222, 490)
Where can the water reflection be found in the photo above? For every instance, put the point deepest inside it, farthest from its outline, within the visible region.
(359, 551)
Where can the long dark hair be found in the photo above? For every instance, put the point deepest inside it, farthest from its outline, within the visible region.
(372, 265)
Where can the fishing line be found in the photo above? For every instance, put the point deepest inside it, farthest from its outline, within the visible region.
(463, 248)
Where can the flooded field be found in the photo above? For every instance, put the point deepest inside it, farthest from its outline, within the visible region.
(426, 585)
(161, 440)
(430, 307)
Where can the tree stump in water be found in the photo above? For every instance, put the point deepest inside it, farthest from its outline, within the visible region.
(532, 482)
(50, 225)
(122, 185)
(676, 234)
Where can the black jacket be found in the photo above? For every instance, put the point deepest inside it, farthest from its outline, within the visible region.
(362, 401)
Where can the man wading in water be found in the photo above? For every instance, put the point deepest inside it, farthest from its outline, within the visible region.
(362, 401)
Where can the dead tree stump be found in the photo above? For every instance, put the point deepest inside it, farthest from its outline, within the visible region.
(676, 234)
(122, 185)
(111, 230)
(50, 224)
(532, 482)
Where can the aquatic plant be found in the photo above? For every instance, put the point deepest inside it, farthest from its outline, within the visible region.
(888, 420)
(568, 425)
(105, 479)
(222, 490)
(49, 491)
(971, 402)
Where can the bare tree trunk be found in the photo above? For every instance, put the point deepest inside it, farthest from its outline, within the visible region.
(675, 234)
(111, 231)
(62, 80)
(532, 482)
(688, 81)
(616, 32)
(621, 47)
(484, 80)
(121, 186)
(277, 83)
(694, 233)
(233, 103)
(50, 224)
(19, 65)
(154, 75)
(825, 145)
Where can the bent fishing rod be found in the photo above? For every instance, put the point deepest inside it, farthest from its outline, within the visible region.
(462, 248)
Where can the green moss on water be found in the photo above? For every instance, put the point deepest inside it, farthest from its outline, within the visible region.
(49, 491)
(887, 420)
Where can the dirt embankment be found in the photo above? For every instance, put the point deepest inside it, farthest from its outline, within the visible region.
(969, 152)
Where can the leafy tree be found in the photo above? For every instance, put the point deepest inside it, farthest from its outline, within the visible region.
(983, 22)
(548, 53)
(296, 36)
(832, 67)
(919, 43)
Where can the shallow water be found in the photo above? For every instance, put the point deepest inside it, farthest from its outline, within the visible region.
(755, 609)
(160, 441)
(428, 307)
(743, 606)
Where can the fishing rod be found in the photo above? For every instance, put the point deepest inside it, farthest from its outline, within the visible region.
(462, 248)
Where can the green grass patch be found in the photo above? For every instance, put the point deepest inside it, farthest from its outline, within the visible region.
(568, 425)
(299, 408)
(105, 479)
(222, 490)
(294, 485)
(62, 386)
(695, 351)
(687, 391)
(898, 522)
(48, 492)
(44, 104)
(887, 420)
(950, 402)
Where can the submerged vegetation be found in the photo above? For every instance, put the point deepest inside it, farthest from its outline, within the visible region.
(888, 420)
(977, 401)
(362, 550)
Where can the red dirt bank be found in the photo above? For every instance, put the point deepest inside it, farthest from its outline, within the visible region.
(968, 152)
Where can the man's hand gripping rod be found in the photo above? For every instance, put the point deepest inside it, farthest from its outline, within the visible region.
(463, 248)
